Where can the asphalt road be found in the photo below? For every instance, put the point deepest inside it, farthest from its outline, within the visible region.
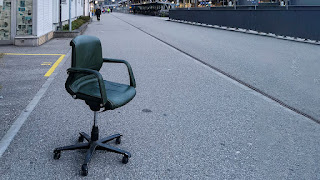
(22, 72)
(187, 120)
(287, 71)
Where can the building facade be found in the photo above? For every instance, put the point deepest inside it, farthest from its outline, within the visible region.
(33, 22)
(214, 3)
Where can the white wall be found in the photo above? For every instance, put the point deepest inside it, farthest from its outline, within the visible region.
(76, 9)
(55, 11)
(48, 15)
(44, 17)
(86, 9)
(79, 5)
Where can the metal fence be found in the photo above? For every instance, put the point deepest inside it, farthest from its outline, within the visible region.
(296, 21)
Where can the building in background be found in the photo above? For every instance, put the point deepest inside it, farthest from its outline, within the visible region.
(33, 22)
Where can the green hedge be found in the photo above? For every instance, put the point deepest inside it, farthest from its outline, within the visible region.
(77, 23)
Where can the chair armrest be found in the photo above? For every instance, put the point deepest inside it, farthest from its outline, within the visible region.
(97, 75)
(132, 80)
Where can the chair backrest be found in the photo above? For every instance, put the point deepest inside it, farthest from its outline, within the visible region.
(86, 53)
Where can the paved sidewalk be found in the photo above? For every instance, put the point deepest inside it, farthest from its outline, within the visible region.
(22, 73)
(186, 121)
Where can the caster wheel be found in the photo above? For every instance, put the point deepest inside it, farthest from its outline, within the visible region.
(118, 140)
(84, 170)
(81, 139)
(125, 159)
(57, 154)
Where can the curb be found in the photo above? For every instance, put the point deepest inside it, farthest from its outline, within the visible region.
(71, 34)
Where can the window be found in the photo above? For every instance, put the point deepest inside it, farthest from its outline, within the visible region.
(5, 20)
(24, 17)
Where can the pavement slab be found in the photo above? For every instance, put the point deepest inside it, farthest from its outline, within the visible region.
(22, 73)
(187, 121)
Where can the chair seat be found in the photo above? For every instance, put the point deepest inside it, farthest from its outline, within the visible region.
(117, 94)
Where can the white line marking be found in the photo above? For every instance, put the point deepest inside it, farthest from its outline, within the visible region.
(15, 127)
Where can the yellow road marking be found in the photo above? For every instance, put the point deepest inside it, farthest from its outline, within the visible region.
(51, 69)
(46, 63)
(54, 66)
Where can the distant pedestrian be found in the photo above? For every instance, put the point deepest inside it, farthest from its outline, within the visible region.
(111, 9)
(98, 13)
(108, 10)
(134, 10)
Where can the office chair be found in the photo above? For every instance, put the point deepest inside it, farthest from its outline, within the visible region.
(86, 83)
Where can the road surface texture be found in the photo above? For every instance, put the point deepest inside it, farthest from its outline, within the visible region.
(194, 116)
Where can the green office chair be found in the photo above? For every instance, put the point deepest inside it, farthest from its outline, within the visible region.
(86, 83)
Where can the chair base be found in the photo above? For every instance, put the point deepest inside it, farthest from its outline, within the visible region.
(93, 145)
